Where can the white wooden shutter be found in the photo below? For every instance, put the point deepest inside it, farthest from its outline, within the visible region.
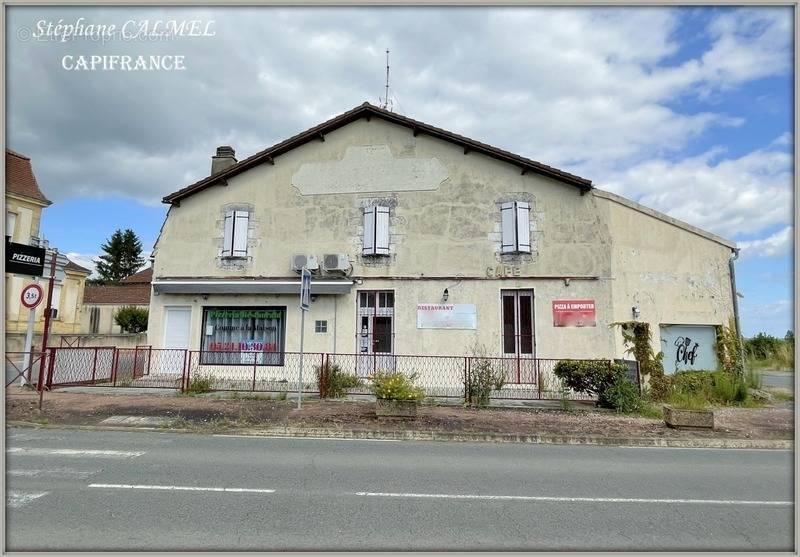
(523, 211)
(382, 230)
(240, 221)
(227, 239)
(508, 228)
(369, 230)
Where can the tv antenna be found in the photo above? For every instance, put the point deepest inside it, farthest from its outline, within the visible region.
(386, 104)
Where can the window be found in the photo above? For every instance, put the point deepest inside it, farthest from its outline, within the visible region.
(11, 223)
(94, 320)
(517, 322)
(243, 335)
(376, 231)
(234, 243)
(515, 224)
(320, 326)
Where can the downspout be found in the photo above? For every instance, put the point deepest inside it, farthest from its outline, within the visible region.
(335, 300)
(731, 267)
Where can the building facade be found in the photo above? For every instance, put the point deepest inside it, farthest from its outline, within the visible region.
(24, 204)
(422, 241)
(102, 302)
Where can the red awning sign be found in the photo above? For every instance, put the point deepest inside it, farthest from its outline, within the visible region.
(574, 313)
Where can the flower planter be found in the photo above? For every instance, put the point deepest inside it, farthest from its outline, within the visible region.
(676, 417)
(388, 408)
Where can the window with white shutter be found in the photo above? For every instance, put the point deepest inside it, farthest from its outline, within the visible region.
(234, 243)
(376, 231)
(515, 227)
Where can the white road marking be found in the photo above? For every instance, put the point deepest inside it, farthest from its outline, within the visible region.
(574, 499)
(73, 452)
(183, 488)
(304, 437)
(16, 499)
(55, 473)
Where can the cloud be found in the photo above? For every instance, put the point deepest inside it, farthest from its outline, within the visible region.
(773, 318)
(85, 260)
(728, 196)
(580, 88)
(777, 245)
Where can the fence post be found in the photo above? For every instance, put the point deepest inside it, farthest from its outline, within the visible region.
(50, 374)
(255, 361)
(189, 367)
(149, 358)
(94, 365)
(467, 395)
(135, 361)
(186, 357)
(114, 362)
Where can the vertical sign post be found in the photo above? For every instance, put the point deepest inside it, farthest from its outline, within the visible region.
(305, 297)
(32, 296)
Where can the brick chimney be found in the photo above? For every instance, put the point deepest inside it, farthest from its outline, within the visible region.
(224, 158)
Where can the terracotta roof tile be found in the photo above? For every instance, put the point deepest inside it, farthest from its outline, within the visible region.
(20, 178)
(72, 266)
(145, 275)
(130, 294)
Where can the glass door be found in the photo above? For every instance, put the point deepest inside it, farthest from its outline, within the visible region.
(518, 335)
(375, 337)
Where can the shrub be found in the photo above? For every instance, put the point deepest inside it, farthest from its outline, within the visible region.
(729, 348)
(333, 382)
(396, 386)
(638, 342)
(693, 382)
(132, 319)
(622, 396)
(200, 384)
(592, 377)
(482, 378)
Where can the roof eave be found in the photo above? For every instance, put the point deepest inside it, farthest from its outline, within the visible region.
(368, 110)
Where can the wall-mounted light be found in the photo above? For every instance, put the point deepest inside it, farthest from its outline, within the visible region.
(635, 312)
(566, 282)
(205, 296)
(445, 295)
(313, 298)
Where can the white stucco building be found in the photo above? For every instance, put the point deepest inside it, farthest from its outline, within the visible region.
(424, 242)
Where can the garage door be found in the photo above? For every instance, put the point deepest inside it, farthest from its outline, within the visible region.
(176, 327)
(688, 347)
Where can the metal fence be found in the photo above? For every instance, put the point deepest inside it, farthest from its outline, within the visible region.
(25, 366)
(439, 376)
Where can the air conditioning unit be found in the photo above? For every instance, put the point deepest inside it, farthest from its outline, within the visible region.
(335, 263)
(300, 260)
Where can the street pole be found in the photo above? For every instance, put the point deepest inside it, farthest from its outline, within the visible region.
(28, 344)
(47, 312)
(302, 335)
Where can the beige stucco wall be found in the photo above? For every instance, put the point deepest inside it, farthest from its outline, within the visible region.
(69, 315)
(106, 324)
(444, 234)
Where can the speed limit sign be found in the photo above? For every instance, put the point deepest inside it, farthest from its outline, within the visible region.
(32, 296)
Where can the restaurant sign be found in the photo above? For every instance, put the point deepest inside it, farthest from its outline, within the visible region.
(446, 316)
(574, 313)
(23, 259)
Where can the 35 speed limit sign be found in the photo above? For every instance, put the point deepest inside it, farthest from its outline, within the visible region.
(32, 296)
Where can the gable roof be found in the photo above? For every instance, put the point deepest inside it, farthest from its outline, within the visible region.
(20, 179)
(72, 266)
(367, 110)
(143, 276)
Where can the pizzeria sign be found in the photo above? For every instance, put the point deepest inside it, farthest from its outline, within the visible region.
(574, 313)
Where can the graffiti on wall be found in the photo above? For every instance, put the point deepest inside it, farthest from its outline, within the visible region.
(688, 347)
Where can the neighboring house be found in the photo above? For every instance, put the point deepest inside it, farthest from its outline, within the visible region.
(423, 241)
(102, 302)
(24, 204)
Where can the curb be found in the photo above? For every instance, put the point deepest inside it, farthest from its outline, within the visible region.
(400, 435)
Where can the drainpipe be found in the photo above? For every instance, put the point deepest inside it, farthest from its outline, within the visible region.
(335, 300)
(734, 257)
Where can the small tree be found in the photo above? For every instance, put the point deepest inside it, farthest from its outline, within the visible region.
(132, 319)
(122, 258)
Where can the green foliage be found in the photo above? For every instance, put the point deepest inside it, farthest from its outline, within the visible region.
(622, 396)
(693, 382)
(764, 351)
(698, 389)
(396, 386)
(589, 376)
(332, 382)
(200, 383)
(132, 319)
(122, 257)
(753, 378)
(729, 349)
(483, 378)
(638, 342)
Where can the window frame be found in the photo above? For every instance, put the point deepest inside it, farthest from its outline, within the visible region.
(375, 239)
(281, 333)
(519, 224)
(231, 248)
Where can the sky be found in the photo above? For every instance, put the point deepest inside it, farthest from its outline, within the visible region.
(686, 110)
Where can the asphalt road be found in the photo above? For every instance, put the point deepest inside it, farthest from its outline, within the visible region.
(778, 379)
(312, 494)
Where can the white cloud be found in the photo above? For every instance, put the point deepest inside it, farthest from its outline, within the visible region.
(728, 196)
(85, 260)
(777, 245)
(773, 318)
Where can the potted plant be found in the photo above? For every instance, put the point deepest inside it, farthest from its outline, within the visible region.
(396, 395)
